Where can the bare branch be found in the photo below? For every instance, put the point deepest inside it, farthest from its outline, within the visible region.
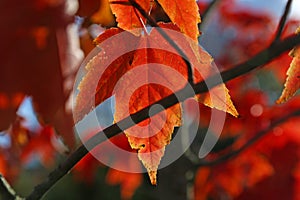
(153, 23)
(250, 142)
(209, 8)
(283, 20)
(260, 59)
(6, 190)
(124, 3)
(64, 168)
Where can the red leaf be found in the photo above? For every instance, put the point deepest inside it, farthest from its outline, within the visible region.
(129, 181)
(149, 142)
(103, 15)
(231, 178)
(183, 13)
(8, 107)
(127, 17)
(41, 145)
(292, 83)
(31, 62)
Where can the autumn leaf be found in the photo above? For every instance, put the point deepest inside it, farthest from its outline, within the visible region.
(233, 177)
(109, 79)
(218, 97)
(285, 166)
(39, 145)
(103, 88)
(184, 14)
(128, 181)
(87, 9)
(103, 15)
(126, 16)
(212, 100)
(96, 12)
(151, 141)
(3, 166)
(37, 71)
(292, 83)
(202, 181)
(8, 108)
(142, 66)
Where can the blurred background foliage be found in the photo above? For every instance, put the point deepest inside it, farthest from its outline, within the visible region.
(43, 43)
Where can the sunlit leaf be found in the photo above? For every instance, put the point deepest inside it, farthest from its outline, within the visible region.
(292, 83)
(184, 14)
(127, 17)
(140, 64)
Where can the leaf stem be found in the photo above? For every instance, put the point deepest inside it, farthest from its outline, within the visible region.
(153, 23)
(141, 21)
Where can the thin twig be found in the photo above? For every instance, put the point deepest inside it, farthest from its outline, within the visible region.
(249, 143)
(260, 59)
(141, 21)
(283, 20)
(153, 23)
(209, 8)
(124, 3)
(6, 190)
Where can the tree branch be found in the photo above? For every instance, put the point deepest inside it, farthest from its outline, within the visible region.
(248, 144)
(6, 190)
(209, 8)
(260, 59)
(283, 20)
(153, 23)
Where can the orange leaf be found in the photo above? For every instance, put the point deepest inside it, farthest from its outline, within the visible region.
(126, 16)
(150, 141)
(232, 177)
(103, 15)
(41, 145)
(213, 100)
(202, 181)
(184, 14)
(87, 9)
(3, 167)
(43, 44)
(292, 83)
(104, 86)
(8, 108)
(129, 182)
(218, 97)
(148, 69)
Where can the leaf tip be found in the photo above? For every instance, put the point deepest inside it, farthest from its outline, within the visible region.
(233, 112)
(282, 99)
(152, 176)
